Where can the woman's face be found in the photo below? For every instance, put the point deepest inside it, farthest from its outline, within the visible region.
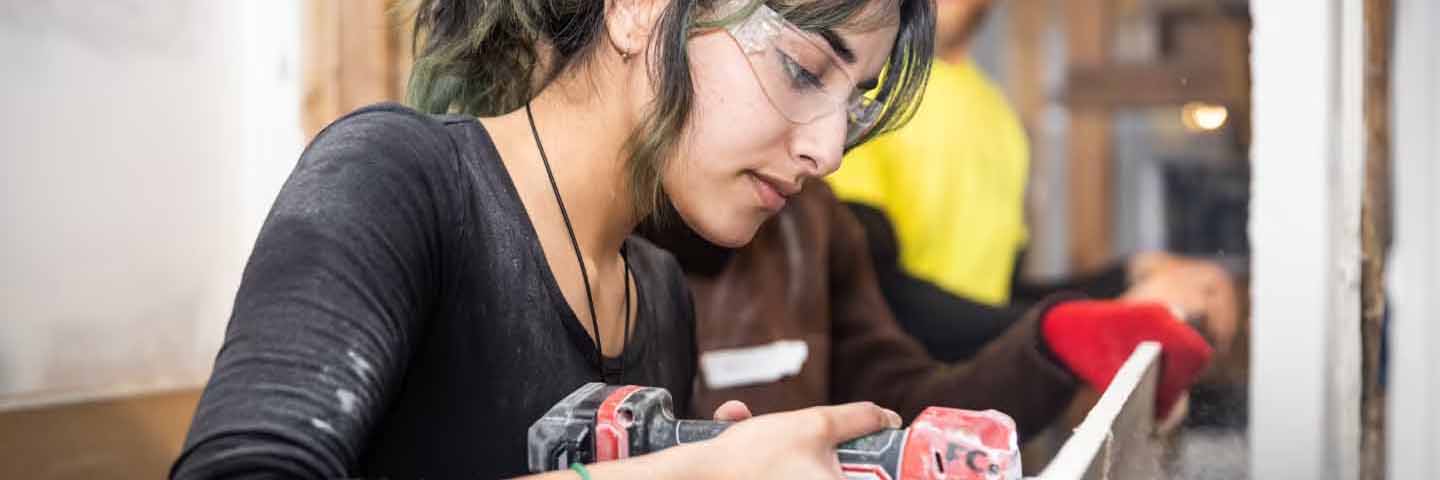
(957, 20)
(743, 154)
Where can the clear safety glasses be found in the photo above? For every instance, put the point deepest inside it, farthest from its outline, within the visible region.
(802, 78)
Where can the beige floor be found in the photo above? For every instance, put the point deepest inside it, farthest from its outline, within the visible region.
(127, 438)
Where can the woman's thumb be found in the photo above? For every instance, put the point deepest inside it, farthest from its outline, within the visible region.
(854, 420)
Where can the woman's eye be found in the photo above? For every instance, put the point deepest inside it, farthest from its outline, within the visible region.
(800, 78)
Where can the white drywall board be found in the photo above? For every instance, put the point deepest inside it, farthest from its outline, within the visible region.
(1414, 268)
(1306, 157)
(142, 143)
(1101, 444)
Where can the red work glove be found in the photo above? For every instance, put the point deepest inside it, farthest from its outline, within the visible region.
(1093, 338)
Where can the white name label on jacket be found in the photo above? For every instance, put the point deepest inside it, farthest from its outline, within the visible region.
(736, 367)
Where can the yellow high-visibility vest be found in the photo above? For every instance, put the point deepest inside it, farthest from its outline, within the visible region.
(953, 182)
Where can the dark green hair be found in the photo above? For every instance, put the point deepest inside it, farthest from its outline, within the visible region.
(483, 58)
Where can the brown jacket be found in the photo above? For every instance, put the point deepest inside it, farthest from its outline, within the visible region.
(806, 276)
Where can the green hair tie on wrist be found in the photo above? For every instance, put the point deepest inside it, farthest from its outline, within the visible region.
(580, 469)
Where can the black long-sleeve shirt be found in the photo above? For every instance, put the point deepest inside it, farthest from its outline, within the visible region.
(397, 317)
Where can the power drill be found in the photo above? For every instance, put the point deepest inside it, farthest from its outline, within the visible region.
(600, 422)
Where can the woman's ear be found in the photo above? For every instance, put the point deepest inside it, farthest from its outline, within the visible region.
(629, 24)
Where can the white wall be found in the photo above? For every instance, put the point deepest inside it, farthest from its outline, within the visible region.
(1304, 230)
(142, 143)
(1414, 267)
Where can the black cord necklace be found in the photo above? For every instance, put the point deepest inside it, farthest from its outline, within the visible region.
(584, 275)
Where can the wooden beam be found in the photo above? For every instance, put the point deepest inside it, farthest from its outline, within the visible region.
(1206, 60)
(128, 437)
(320, 102)
(1374, 234)
(1088, 32)
(1119, 86)
(366, 54)
(1025, 55)
(352, 50)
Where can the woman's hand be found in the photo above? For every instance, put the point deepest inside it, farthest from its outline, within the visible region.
(1197, 288)
(798, 444)
(732, 411)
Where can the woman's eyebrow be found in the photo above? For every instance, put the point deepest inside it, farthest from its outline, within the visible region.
(842, 50)
(838, 44)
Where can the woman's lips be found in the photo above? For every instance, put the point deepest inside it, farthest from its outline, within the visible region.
(768, 193)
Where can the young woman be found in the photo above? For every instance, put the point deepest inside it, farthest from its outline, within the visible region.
(426, 286)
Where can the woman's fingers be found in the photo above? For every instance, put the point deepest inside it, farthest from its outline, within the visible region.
(841, 423)
(732, 411)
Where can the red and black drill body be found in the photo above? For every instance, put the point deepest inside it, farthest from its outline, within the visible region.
(601, 422)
